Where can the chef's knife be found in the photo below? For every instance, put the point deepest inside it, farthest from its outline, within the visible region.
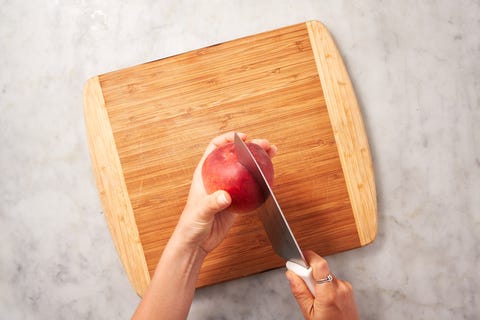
(273, 219)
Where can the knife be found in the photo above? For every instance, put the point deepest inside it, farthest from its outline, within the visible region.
(273, 220)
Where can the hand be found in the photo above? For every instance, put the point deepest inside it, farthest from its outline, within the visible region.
(333, 300)
(206, 220)
(203, 224)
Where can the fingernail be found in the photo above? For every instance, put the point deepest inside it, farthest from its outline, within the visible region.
(222, 199)
(273, 148)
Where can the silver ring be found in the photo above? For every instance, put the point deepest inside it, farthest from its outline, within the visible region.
(328, 278)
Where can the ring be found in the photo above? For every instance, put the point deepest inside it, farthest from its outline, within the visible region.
(328, 278)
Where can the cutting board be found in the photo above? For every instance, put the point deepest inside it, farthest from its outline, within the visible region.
(148, 126)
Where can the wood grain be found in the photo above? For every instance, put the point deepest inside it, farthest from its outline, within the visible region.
(350, 135)
(111, 186)
(162, 115)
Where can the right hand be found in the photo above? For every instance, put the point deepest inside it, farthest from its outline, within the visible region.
(333, 300)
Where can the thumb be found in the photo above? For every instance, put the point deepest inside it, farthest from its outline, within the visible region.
(214, 203)
(301, 293)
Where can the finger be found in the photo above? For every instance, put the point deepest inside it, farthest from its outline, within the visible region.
(217, 142)
(270, 149)
(344, 289)
(302, 294)
(320, 267)
(326, 291)
(223, 139)
(346, 299)
(318, 264)
(214, 203)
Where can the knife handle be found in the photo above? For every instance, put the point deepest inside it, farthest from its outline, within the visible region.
(304, 273)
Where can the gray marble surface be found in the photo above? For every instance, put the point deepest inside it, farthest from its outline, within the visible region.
(415, 67)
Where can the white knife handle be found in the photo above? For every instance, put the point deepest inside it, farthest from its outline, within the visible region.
(304, 273)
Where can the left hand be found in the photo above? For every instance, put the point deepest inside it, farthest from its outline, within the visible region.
(206, 220)
(204, 223)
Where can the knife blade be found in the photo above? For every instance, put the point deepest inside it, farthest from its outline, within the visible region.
(276, 226)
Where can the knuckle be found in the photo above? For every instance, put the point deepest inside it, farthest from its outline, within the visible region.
(213, 203)
(319, 262)
(345, 289)
(348, 286)
(330, 298)
(320, 267)
(297, 293)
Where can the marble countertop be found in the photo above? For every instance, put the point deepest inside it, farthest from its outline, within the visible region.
(415, 68)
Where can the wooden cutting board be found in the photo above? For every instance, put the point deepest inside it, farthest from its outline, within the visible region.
(148, 126)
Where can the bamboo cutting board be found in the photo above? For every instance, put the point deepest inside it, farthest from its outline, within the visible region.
(148, 126)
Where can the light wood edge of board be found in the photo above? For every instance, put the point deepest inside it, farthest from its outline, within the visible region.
(112, 188)
(349, 130)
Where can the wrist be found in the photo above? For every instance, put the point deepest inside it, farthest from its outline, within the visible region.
(173, 284)
(182, 257)
(182, 243)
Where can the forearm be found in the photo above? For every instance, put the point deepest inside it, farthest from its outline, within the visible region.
(172, 287)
